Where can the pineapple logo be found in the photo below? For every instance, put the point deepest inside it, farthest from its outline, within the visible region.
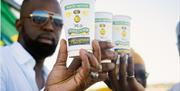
(123, 33)
(77, 19)
(102, 30)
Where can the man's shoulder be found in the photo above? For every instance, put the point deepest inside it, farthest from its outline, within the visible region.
(8, 47)
(4, 49)
(5, 53)
(4, 58)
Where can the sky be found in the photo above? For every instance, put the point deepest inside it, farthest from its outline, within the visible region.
(153, 34)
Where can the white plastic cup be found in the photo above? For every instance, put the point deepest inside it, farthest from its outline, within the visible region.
(78, 17)
(103, 26)
(121, 33)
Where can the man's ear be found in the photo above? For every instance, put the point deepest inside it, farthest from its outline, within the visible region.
(18, 25)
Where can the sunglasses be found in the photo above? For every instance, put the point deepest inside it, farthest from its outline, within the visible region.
(41, 17)
(142, 75)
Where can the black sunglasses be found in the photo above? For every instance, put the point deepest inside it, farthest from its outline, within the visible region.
(142, 75)
(41, 17)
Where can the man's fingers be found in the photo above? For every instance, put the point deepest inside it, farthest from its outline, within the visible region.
(106, 53)
(95, 65)
(113, 82)
(106, 67)
(76, 63)
(130, 67)
(105, 45)
(85, 68)
(109, 54)
(122, 67)
(123, 74)
(62, 55)
(103, 76)
(96, 50)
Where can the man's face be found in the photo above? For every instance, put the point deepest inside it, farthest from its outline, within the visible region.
(41, 27)
(140, 74)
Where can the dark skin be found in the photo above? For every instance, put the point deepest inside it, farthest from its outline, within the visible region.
(106, 53)
(69, 79)
(41, 40)
(140, 74)
(77, 77)
(124, 83)
(178, 43)
(31, 33)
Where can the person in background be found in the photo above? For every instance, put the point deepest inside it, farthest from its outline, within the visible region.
(176, 87)
(125, 80)
(139, 70)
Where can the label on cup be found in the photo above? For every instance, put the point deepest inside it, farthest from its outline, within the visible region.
(121, 33)
(78, 17)
(103, 26)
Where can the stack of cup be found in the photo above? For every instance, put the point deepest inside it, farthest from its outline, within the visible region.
(79, 18)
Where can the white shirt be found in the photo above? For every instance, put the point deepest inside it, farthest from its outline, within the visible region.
(17, 69)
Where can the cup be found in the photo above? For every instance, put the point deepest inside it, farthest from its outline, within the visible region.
(103, 26)
(121, 33)
(78, 18)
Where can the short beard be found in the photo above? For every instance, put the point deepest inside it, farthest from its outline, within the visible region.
(40, 50)
(37, 49)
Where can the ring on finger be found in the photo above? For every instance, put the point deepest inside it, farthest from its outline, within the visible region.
(94, 75)
(132, 76)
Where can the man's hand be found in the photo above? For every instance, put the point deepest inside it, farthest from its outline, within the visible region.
(64, 78)
(101, 51)
(124, 80)
(106, 52)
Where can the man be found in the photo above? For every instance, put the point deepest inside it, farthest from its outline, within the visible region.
(176, 87)
(39, 30)
(139, 68)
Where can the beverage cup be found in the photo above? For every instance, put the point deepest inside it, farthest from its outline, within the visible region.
(121, 33)
(78, 18)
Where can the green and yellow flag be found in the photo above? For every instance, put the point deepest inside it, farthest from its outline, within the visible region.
(8, 33)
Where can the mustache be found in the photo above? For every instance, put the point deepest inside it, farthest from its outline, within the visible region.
(48, 36)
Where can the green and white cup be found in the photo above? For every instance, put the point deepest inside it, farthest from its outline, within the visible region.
(103, 26)
(78, 17)
(121, 33)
